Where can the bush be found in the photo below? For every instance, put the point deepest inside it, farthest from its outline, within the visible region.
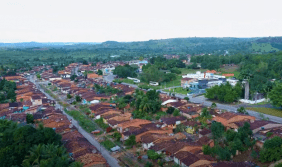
(176, 113)
(278, 165)
(69, 96)
(268, 134)
(170, 110)
(117, 136)
(83, 121)
(152, 154)
(130, 141)
(108, 144)
(272, 150)
(149, 164)
(101, 123)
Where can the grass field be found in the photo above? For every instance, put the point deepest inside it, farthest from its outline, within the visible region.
(263, 47)
(269, 111)
(176, 82)
(108, 144)
(129, 81)
(83, 121)
(177, 90)
(230, 70)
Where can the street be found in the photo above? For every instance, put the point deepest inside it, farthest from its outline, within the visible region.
(111, 161)
(203, 100)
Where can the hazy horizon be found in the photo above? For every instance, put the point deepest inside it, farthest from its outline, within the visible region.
(132, 41)
(128, 21)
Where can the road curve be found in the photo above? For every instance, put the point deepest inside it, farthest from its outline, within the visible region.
(203, 100)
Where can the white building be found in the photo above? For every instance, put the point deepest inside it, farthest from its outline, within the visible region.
(232, 82)
(200, 75)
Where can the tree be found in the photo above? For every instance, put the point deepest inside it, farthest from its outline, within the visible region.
(187, 99)
(170, 110)
(78, 98)
(217, 130)
(45, 155)
(204, 116)
(100, 72)
(29, 119)
(276, 95)
(223, 93)
(278, 165)
(207, 149)
(152, 155)
(84, 62)
(149, 164)
(38, 76)
(130, 141)
(180, 128)
(213, 106)
(117, 136)
(176, 113)
(69, 96)
(73, 77)
(272, 150)
(125, 71)
(16, 141)
(242, 110)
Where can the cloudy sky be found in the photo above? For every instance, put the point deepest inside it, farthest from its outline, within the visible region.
(132, 20)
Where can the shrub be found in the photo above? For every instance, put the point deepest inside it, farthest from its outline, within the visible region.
(152, 154)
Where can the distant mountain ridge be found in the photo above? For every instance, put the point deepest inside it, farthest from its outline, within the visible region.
(43, 44)
(194, 45)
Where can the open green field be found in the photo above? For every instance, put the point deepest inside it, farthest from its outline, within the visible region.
(263, 47)
(129, 81)
(108, 144)
(176, 82)
(269, 111)
(230, 70)
(179, 90)
(83, 121)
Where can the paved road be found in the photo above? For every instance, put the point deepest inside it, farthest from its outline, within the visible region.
(203, 100)
(111, 160)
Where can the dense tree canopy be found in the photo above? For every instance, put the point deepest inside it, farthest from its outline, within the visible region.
(272, 150)
(18, 142)
(7, 91)
(125, 71)
(224, 92)
(276, 95)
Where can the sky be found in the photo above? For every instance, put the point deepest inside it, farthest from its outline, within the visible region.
(132, 20)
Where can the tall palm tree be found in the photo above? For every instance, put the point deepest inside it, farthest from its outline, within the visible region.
(50, 155)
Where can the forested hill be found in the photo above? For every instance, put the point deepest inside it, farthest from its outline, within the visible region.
(180, 45)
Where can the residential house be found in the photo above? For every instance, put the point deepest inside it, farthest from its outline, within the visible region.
(36, 100)
(123, 127)
(172, 121)
(228, 119)
(258, 125)
(204, 132)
